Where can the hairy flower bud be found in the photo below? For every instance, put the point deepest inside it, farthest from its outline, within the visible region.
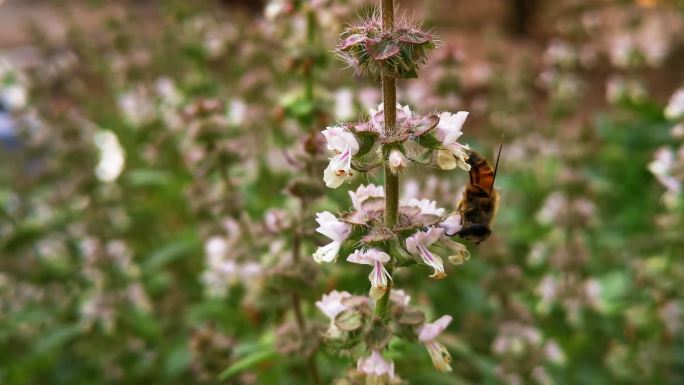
(397, 162)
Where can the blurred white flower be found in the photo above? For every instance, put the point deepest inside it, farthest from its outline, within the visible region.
(418, 245)
(237, 112)
(344, 104)
(377, 369)
(662, 167)
(427, 334)
(379, 276)
(675, 108)
(554, 353)
(136, 106)
(332, 228)
(331, 304)
(14, 96)
(168, 92)
(400, 297)
(112, 156)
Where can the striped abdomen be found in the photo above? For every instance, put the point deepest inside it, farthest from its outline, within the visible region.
(481, 172)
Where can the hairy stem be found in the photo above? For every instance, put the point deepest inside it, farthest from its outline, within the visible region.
(389, 98)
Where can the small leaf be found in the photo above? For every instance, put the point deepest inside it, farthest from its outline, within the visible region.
(247, 362)
(423, 124)
(355, 218)
(349, 320)
(382, 49)
(414, 37)
(352, 40)
(57, 338)
(377, 235)
(378, 335)
(411, 317)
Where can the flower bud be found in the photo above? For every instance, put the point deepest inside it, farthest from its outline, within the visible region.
(397, 162)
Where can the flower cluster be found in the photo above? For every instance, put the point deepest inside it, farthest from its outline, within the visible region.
(371, 51)
(422, 232)
(436, 135)
(352, 321)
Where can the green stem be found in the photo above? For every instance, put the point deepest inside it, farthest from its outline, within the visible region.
(310, 40)
(389, 98)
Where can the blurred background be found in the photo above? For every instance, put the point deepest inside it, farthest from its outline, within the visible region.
(161, 160)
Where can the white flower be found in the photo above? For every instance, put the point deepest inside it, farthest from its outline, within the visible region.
(331, 304)
(237, 113)
(377, 369)
(397, 162)
(217, 246)
(344, 104)
(14, 96)
(451, 225)
(403, 112)
(460, 155)
(339, 169)
(400, 297)
(427, 334)
(112, 156)
(332, 228)
(379, 277)
(458, 252)
(365, 193)
(675, 109)
(662, 167)
(339, 139)
(167, 92)
(418, 245)
(448, 129)
(426, 206)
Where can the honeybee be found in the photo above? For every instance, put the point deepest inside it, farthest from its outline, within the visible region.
(480, 201)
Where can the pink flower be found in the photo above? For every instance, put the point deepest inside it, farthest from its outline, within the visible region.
(366, 193)
(451, 225)
(339, 169)
(426, 206)
(334, 229)
(338, 139)
(379, 277)
(331, 304)
(418, 245)
(427, 334)
(376, 368)
(448, 129)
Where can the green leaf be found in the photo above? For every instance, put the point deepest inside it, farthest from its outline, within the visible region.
(148, 177)
(247, 362)
(57, 338)
(178, 361)
(169, 253)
